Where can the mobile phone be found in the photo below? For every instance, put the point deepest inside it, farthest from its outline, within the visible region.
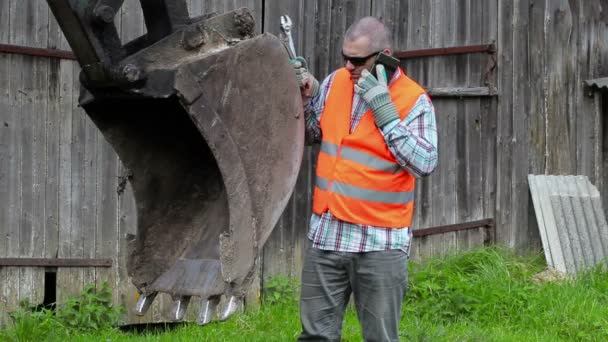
(390, 65)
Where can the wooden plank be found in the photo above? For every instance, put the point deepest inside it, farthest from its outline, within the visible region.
(6, 150)
(390, 12)
(432, 69)
(446, 34)
(537, 122)
(90, 205)
(321, 58)
(72, 280)
(471, 205)
(11, 286)
(489, 112)
(519, 234)
(598, 34)
(66, 79)
(34, 75)
(587, 21)
(418, 28)
(53, 129)
(505, 122)
(416, 35)
(558, 30)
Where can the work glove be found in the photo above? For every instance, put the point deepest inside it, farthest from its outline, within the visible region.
(374, 91)
(309, 86)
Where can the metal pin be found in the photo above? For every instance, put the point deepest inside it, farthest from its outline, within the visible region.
(144, 302)
(179, 307)
(231, 306)
(207, 310)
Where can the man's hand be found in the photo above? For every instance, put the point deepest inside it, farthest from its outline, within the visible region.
(309, 86)
(375, 93)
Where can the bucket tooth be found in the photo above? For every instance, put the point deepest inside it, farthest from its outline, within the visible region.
(144, 302)
(179, 308)
(230, 308)
(208, 310)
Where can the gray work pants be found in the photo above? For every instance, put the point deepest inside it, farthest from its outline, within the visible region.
(377, 280)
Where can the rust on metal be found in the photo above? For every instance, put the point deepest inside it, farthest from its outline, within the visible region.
(485, 223)
(40, 52)
(455, 50)
(55, 262)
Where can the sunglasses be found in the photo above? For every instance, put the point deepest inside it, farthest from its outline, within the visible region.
(358, 61)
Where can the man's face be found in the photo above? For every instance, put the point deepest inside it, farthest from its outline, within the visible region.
(358, 49)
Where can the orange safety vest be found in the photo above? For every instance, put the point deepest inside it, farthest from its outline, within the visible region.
(358, 178)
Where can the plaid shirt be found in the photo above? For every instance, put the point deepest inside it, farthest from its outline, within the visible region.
(413, 142)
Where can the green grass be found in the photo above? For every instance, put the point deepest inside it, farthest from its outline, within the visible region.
(483, 295)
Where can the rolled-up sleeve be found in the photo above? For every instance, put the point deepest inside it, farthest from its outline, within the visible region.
(413, 140)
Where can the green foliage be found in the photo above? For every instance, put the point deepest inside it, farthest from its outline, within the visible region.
(31, 323)
(490, 295)
(457, 287)
(482, 295)
(90, 311)
(280, 290)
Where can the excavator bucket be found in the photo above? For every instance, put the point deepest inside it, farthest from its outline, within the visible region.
(207, 119)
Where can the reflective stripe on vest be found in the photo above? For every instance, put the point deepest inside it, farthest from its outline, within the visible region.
(366, 194)
(361, 158)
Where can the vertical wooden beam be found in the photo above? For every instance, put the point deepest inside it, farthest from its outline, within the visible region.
(520, 235)
(16, 36)
(504, 165)
(67, 75)
(489, 111)
(6, 150)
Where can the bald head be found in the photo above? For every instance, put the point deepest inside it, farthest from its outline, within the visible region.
(374, 30)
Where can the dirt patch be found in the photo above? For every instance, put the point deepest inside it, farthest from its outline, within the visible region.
(549, 276)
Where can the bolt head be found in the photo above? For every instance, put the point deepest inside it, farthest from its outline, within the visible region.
(104, 13)
(193, 38)
(132, 73)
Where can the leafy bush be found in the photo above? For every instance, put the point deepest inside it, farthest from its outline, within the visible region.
(281, 290)
(90, 311)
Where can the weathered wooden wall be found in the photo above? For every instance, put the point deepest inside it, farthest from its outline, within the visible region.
(547, 123)
(59, 179)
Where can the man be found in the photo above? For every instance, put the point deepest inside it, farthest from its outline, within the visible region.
(376, 136)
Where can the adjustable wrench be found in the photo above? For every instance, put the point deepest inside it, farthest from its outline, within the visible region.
(286, 28)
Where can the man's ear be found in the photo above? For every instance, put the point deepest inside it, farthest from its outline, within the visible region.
(388, 52)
